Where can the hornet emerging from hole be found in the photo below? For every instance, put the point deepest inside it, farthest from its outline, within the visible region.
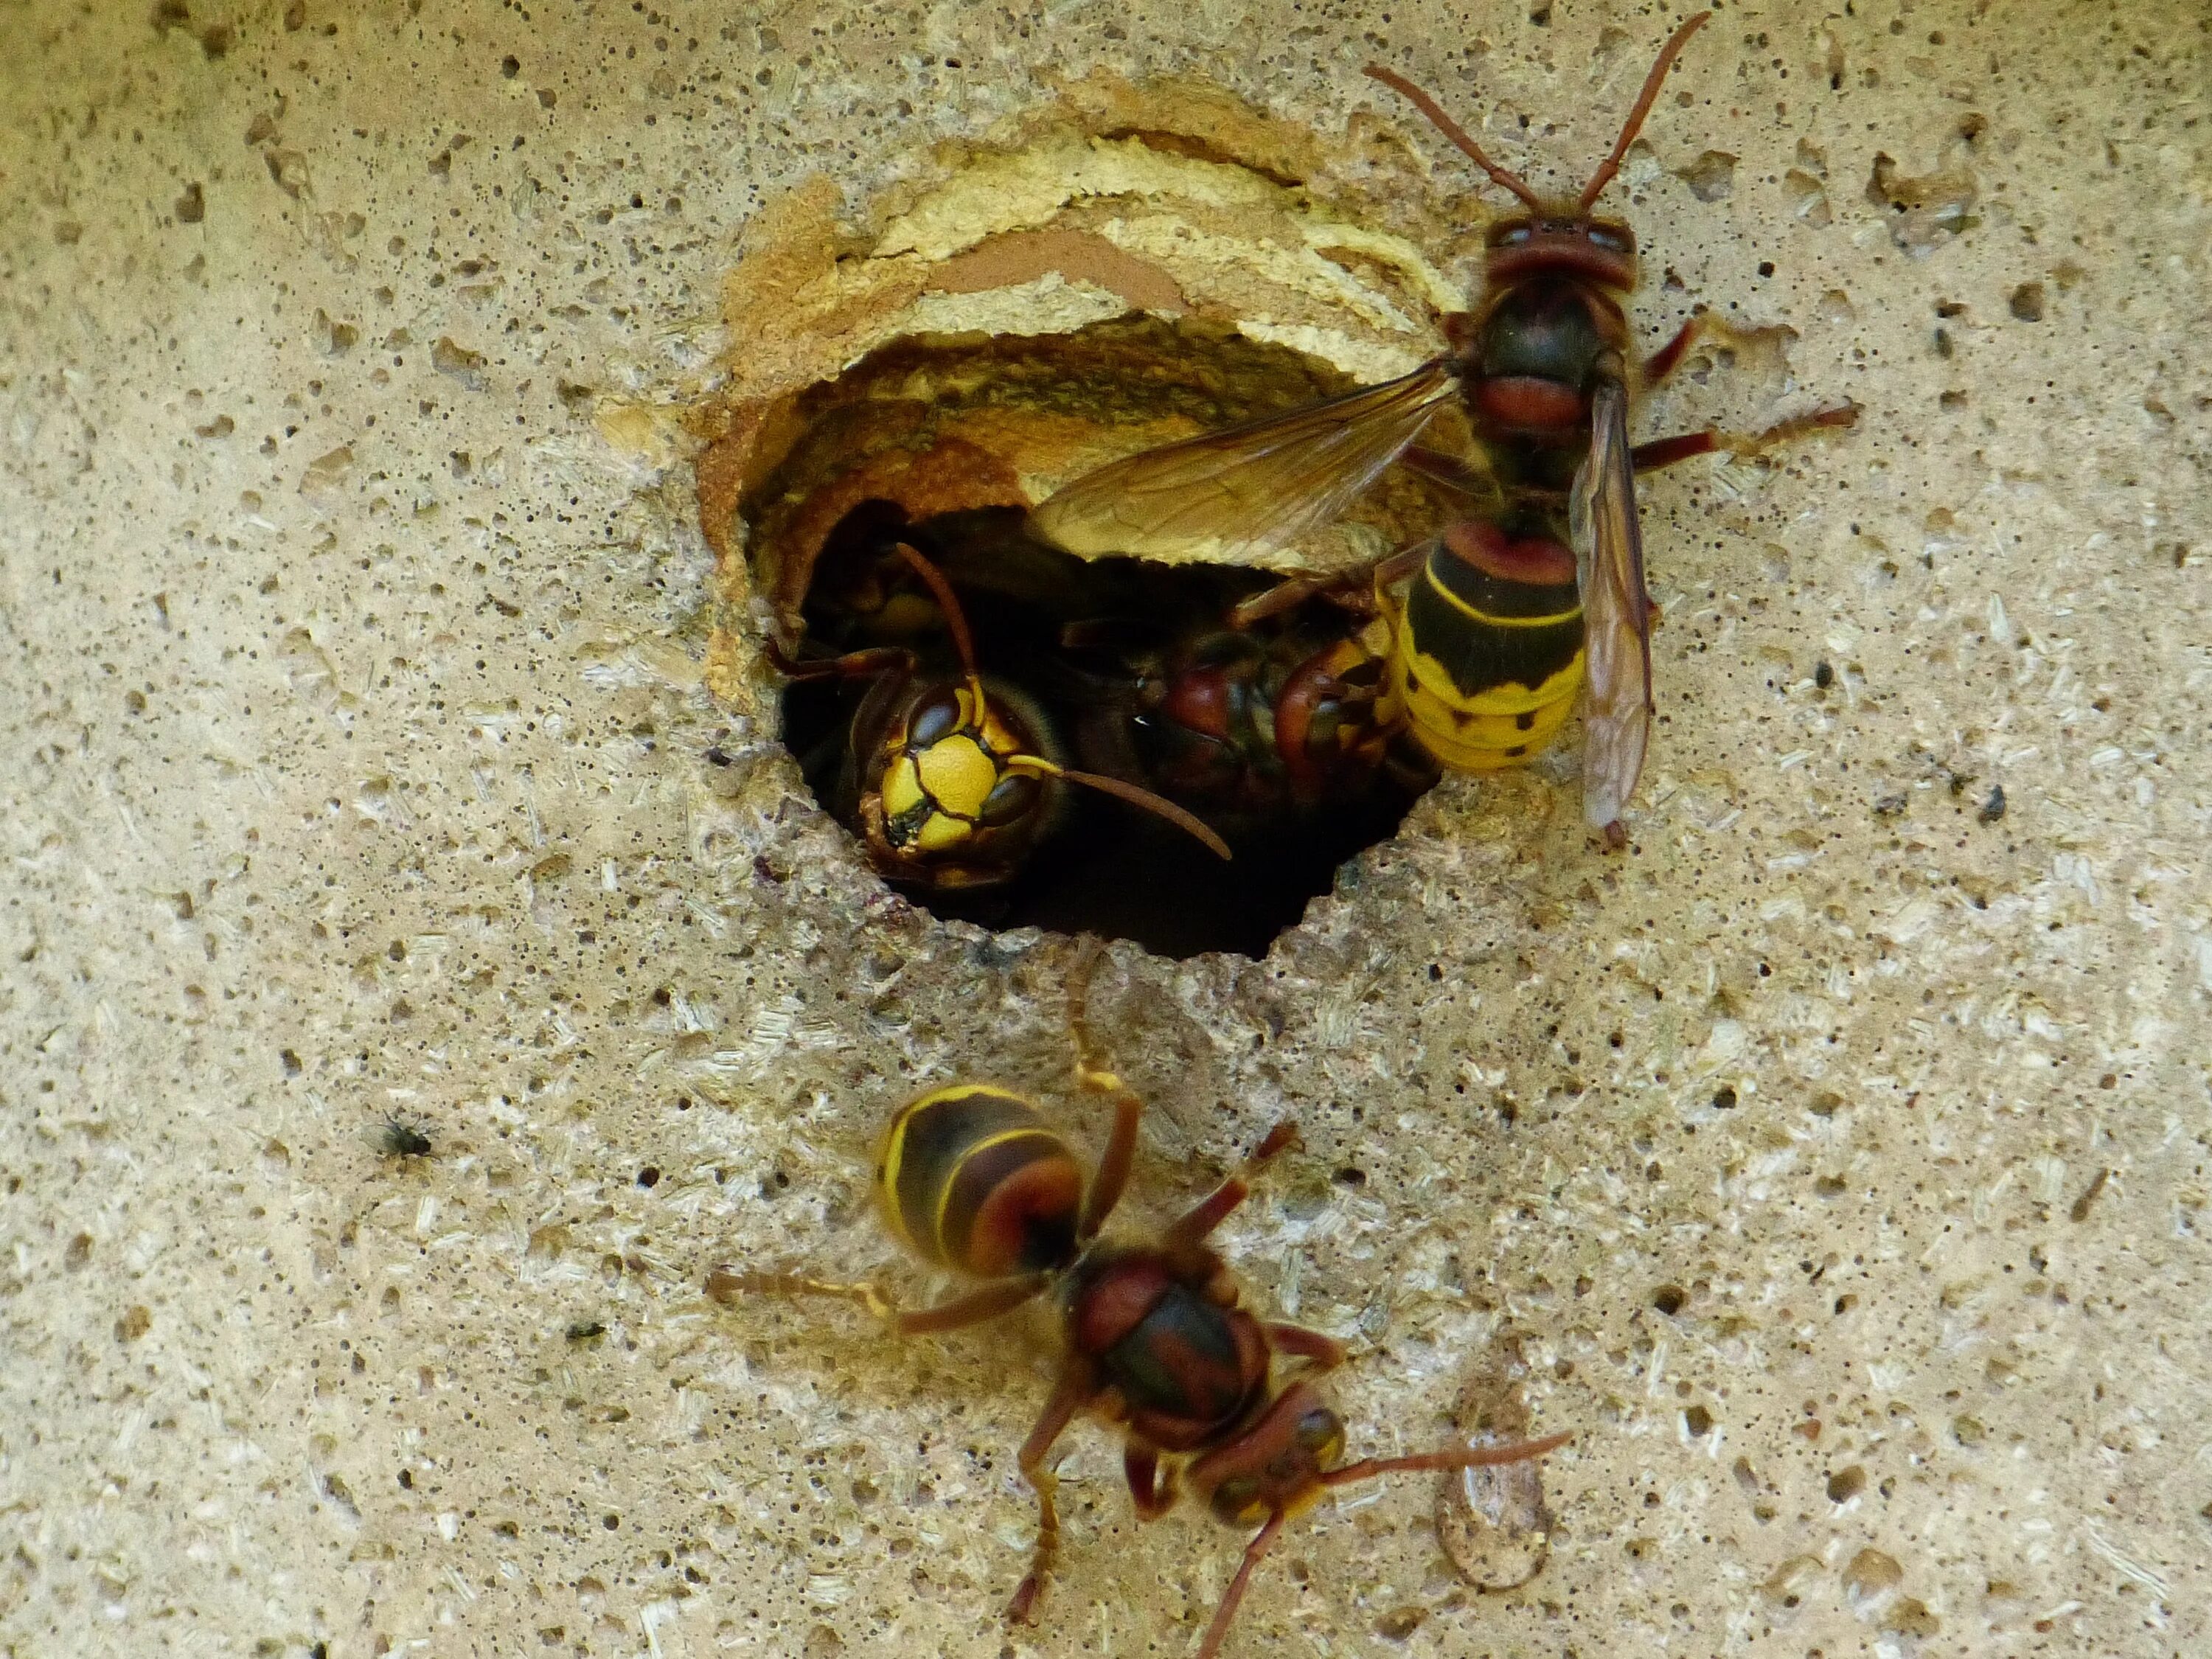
(1510, 612)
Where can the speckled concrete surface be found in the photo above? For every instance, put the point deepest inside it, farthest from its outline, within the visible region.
(1838, 1157)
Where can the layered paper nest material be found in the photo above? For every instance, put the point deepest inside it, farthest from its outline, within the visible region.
(1107, 282)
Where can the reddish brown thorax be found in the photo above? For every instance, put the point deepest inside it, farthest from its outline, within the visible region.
(1200, 698)
(1184, 1359)
(1532, 354)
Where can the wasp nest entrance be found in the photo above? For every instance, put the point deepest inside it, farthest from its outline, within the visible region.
(1118, 701)
(1015, 735)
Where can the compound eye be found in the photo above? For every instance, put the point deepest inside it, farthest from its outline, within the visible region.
(1321, 1431)
(1235, 1496)
(937, 715)
(1610, 238)
(1512, 233)
(1013, 799)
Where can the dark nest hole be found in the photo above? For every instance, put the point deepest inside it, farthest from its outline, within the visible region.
(1099, 657)
(1267, 733)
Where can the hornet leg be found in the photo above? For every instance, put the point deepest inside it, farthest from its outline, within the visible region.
(1091, 1073)
(1075, 1387)
(1665, 452)
(726, 1285)
(1202, 1218)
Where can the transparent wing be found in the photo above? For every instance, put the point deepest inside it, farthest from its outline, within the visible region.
(1248, 489)
(1617, 704)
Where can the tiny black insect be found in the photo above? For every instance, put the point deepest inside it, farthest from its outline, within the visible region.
(585, 1329)
(400, 1139)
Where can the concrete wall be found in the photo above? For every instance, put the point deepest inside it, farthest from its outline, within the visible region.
(1838, 1156)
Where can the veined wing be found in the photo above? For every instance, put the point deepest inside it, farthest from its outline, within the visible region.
(1248, 489)
(1617, 704)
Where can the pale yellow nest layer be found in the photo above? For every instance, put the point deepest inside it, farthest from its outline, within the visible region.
(1838, 1155)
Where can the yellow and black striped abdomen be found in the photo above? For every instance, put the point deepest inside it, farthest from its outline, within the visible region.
(1488, 654)
(972, 1179)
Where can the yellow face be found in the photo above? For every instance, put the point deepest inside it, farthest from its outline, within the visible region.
(950, 774)
(1273, 1466)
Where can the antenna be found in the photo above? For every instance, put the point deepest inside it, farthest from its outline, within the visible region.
(1451, 130)
(1262, 1542)
(1463, 1457)
(1667, 53)
(1513, 181)
(955, 618)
